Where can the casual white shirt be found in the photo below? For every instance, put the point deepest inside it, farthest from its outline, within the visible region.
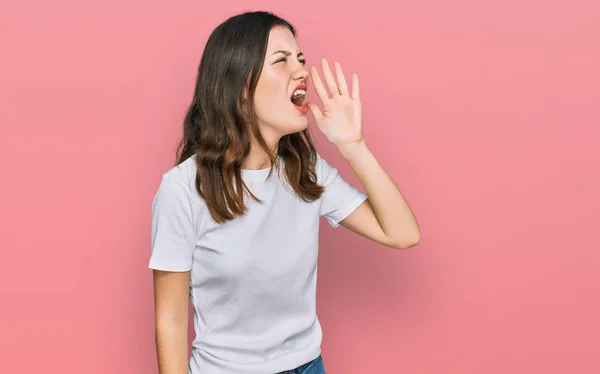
(253, 279)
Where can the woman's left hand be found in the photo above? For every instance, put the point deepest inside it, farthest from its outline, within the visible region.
(341, 118)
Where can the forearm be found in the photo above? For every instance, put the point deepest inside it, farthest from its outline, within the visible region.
(389, 205)
(171, 347)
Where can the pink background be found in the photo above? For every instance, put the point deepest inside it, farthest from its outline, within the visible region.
(486, 114)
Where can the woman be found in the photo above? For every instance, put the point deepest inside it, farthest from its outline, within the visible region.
(235, 223)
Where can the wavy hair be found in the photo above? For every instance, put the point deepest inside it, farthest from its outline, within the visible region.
(220, 123)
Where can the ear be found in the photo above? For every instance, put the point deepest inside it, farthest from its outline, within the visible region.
(246, 89)
(245, 103)
(245, 95)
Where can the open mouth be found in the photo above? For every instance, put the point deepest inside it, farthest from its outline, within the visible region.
(298, 98)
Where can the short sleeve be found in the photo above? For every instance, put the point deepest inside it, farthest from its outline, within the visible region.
(173, 235)
(340, 198)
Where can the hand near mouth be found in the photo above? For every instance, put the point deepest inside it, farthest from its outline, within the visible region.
(341, 118)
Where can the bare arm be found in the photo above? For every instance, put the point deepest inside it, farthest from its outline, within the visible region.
(386, 216)
(171, 320)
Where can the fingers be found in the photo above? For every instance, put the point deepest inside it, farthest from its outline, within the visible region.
(342, 85)
(331, 84)
(355, 87)
(335, 88)
(318, 85)
(314, 108)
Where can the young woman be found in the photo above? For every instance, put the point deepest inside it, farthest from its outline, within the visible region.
(235, 223)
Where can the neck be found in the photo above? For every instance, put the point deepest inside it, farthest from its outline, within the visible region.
(258, 158)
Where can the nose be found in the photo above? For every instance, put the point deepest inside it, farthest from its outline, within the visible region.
(301, 72)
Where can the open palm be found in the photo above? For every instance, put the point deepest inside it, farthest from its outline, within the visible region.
(340, 120)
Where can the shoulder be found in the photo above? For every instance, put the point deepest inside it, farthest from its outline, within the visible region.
(184, 173)
(325, 172)
(179, 180)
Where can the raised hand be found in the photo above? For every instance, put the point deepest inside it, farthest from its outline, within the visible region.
(340, 120)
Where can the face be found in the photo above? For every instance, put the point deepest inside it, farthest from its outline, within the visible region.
(281, 90)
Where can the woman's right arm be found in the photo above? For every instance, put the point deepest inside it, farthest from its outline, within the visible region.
(171, 291)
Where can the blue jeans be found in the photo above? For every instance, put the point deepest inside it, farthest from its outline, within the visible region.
(313, 367)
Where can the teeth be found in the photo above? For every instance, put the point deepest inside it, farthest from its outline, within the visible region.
(298, 93)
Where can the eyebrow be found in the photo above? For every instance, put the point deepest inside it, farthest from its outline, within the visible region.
(287, 53)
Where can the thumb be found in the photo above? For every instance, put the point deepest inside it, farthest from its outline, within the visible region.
(314, 108)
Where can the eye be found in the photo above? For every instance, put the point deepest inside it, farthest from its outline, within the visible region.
(283, 59)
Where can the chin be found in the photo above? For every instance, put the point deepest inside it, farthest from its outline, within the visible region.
(295, 125)
(302, 125)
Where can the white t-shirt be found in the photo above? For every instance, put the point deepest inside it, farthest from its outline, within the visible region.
(253, 279)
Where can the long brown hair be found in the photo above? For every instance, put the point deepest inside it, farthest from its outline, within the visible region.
(219, 124)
